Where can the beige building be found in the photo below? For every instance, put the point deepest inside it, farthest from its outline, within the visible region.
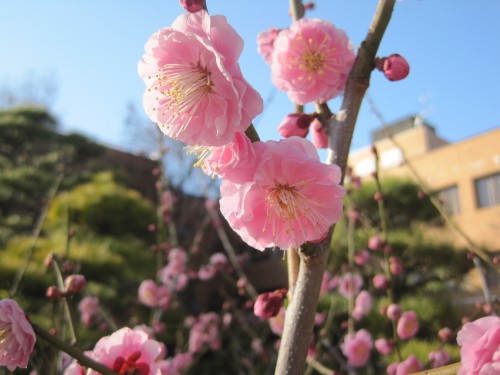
(466, 174)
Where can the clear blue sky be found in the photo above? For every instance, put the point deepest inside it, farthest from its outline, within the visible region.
(92, 48)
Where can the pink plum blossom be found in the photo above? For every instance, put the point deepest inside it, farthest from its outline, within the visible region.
(233, 160)
(153, 295)
(375, 243)
(409, 366)
(295, 124)
(128, 351)
(364, 303)
(392, 368)
(439, 358)
(361, 257)
(383, 346)
(182, 361)
(291, 199)
(206, 272)
(265, 43)
(480, 346)
(205, 332)
(380, 282)
(195, 89)
(394, 311)
(311, 61)
(17, 338)
(88, 308)
(350, 281)
(445, 334)
(357, 347)
(407, 325)
(218, 260)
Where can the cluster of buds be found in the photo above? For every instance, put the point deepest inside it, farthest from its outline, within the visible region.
(72, 284)
(299, 124)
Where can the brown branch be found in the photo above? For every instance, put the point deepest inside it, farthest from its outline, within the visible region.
(300, 314)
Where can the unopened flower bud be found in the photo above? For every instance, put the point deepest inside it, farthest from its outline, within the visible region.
(53, 292)
(74, 284)
(395, 266)
(445, 334)
(193, 6)
(319, 137)
(269, 304)
(421, 194)
(309, 5)
(378, 196)
(375, 243)
(394, 67)
(394, 311)
(295, 124)
(380, 282)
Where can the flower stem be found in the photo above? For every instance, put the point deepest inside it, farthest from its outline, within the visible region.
(72, 351)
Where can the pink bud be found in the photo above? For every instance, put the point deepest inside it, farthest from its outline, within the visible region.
(394, 67)
(319, 137)
(375, 243)
(361, 257)
(295, 124)
(378, 196)
(384, 346)
(380, 282)
(395, 266)
(445, 334)
(193, 6)
(53, 293)
(269, 304)
(74, 284)
(407, 325)
(394, 311)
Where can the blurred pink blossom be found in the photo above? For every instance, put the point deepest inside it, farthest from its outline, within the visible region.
(439, 358)
(277, 323)
(205, 332)
(375, 243)
(383, 346)
(362, 257)
(311, 61)
(17, 338)
(206, 272)
(196, 92)
(88, 308)
(74, 284)
(350, 281)
(407, 325)
(364, 303)
(394, 311)
(480, 346)
(409, 366)
(284, 203)
(357, 348)
(380, 282)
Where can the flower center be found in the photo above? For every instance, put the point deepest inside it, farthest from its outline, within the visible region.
(313, 61)
(130, 366)
(284, 198)
(181, 88)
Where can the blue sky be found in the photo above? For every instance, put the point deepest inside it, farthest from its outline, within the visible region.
(92, 48)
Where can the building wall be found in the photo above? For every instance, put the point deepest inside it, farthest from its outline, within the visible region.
(440, 166)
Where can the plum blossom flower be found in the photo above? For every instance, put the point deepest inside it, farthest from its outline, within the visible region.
(205, 332)
(409, 366)
(17, 338)
(153, 295)
(195, 89)
(349, 280)
(357, 347)
(480, 346)
(364, 302)
(128, 351)
(407, 325)
(384, 346)
(394, 311)
(311, 61)
(265, 43)
(232, 160)
(380, 282)
(88, 308)
(439, 358)
(284, 203)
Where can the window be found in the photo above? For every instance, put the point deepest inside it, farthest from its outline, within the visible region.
(488, 190)
(450, 200)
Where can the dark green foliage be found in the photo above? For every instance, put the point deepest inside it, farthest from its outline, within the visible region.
(402, 204)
